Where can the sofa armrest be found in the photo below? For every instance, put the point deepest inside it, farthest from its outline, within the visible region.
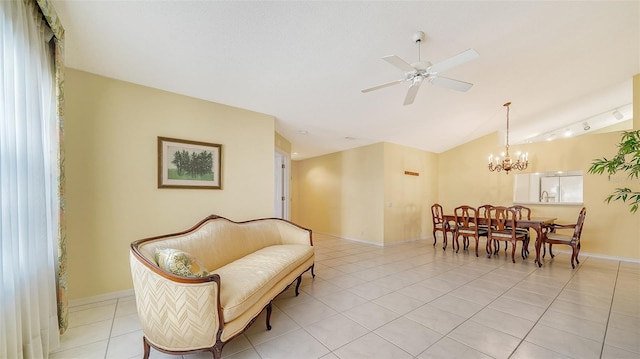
(291, 233)
(169, 306)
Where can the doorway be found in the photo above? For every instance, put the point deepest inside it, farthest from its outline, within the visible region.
(281, 200)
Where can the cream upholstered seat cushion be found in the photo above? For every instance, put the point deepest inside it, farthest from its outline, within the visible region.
(505, 234)
(246, 280)
(467, 231)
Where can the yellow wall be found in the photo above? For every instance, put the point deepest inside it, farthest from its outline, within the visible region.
(282, 144)
(636, 102)
(342, 193)
(112, 196)
(363, 193)
(408, 198)
(610, 229)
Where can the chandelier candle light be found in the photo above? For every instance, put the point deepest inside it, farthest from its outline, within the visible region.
(505, 163)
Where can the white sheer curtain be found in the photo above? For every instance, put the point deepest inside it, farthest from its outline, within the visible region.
(28, 182)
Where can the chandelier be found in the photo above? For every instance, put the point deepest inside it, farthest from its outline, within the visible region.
(504, 162)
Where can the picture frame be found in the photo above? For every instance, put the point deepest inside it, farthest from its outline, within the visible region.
(189, 164)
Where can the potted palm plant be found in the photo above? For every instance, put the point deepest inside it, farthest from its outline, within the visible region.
(626, 160)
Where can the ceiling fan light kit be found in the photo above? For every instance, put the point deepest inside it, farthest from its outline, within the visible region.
(417, 72)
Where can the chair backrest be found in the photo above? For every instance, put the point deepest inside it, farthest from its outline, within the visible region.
(503, 218)
(483, 211)
(522, 211)
(577, 232)
(437, 214)
(466, 216)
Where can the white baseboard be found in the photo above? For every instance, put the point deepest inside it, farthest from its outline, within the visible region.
(582, 253)
(596, 255)
(372, 243)
(101, 298)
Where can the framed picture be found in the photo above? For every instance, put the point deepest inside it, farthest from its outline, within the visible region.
(189, 164)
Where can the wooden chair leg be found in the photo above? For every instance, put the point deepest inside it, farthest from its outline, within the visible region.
(513, 251)
(574, 255)
(477, 244)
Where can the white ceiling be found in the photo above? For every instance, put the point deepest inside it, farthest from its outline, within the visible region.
(305, 62)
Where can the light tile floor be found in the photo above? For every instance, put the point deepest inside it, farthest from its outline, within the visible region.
(414, 300)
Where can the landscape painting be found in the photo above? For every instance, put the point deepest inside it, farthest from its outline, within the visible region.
(189, 164)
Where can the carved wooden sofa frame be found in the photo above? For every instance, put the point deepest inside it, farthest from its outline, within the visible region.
(182, 315)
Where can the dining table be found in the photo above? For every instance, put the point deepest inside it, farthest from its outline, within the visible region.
(536, 223)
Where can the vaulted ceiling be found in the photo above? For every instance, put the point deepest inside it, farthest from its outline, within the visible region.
(306, 62)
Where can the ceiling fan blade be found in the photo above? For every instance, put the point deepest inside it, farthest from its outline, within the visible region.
(412, 92)
(398, 62)
(454, 61)
(382, 86)
(451, 83)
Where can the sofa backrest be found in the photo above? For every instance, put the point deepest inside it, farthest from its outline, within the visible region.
(217, 241)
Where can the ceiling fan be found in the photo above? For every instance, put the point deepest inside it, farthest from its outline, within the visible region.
(420, 71)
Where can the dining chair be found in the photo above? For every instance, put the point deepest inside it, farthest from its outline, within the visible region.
(483, 213)
(523, 212)
(466, 220)
(503, 228)
(440, 225)
(552, 237)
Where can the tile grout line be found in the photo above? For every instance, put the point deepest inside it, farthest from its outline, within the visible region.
(372, 331)
(113, 319)
(542, 315)
(452, 290)
(547, 309)
(487, 306)
(606, 328)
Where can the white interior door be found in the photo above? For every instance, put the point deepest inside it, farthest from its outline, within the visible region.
(281, 190)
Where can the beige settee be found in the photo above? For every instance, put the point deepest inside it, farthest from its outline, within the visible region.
(246, 265)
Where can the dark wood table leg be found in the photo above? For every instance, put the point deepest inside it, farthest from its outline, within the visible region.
(539, 242)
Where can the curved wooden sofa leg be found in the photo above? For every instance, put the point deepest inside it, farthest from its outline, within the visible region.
(269, 308)
(299, 280)
(147, 348)
(216, 351)
(312, 273)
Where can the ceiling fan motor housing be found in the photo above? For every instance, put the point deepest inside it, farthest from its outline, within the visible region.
(418, 36)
